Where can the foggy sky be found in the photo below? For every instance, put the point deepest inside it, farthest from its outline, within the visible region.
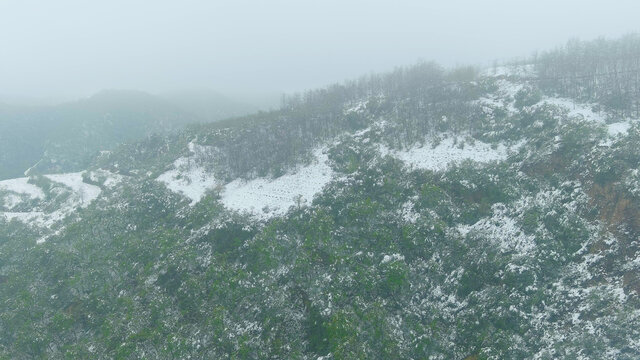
(73, 48)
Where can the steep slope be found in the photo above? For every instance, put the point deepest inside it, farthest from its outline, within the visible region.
(424, 213)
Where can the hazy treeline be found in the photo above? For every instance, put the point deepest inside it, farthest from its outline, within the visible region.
(602, 71)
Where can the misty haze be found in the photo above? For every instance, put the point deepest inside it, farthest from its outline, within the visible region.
(319, 180)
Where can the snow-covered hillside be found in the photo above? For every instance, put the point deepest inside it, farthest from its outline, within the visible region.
(261, 197)
(460, 216)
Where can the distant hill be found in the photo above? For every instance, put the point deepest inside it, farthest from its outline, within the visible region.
(65, 137)
(209, 105)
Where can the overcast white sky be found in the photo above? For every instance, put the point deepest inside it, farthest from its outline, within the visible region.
(69, 48)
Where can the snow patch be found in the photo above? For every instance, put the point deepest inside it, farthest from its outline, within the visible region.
(10, 201)
(267, 197)
(407, 212)
(619, 128)
(392, 257)
(83, 193)
(357, 107)
(503, 97)
(188, 177)
(503, 230)
(448, 152)
(575, 109)
(22, 186)
(25, 217)
(107, 178)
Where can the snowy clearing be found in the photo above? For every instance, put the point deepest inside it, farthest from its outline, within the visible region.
(21, 186)
(619, 128)
(83, 193)
(447, 153)
(576, 109)
(266, 197)
(188, 177)
(107, 178)
(504, 96)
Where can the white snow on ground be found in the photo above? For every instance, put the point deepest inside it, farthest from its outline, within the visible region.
(507, 89)
(360, 106)
(447, 153)
(502, 226)
(391, 258)
(108, 179)
(34, 218)
(10, 201)
(407, 212)
(83, 193)
(261, 197)
(502, 98)
(576, 109)
(21, 186)
(356, 107)
(503, 230)
(632, 181)
(266, 197)
(188, 177)
(621, 128)
(25, 217)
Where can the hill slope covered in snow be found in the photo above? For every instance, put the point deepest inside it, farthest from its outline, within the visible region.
(424, 213)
